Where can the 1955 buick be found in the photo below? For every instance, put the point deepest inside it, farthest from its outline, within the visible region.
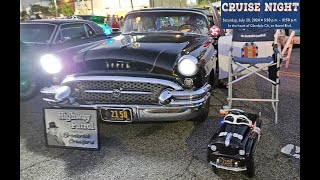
(161, 68)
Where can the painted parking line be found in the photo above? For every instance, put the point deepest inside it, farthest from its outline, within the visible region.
(291, 150)
(290, 74)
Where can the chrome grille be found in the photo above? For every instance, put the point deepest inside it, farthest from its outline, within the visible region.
(151, 92)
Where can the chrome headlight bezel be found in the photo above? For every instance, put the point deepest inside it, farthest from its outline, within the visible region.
(188, 65)
(51, 63)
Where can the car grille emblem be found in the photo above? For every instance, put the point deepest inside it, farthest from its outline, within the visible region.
(118, 65)
(116, 92)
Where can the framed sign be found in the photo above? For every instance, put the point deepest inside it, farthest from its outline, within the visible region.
(71, 128)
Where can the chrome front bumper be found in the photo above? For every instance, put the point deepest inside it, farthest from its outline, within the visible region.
(174, 105)
(228, 168)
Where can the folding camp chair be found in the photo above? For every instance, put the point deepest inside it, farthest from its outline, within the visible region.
(253, 51)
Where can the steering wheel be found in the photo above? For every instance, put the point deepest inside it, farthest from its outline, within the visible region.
(194, 28)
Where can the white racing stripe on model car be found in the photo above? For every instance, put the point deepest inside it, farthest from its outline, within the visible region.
(236, 135)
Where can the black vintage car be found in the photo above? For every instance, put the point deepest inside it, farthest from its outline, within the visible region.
(161, 68)
(233, 146)
(39, 37)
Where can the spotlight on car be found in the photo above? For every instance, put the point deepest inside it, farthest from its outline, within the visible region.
(241, 152)
(218, 161)
(213, 148)
(51, 63)
(188, 82)
(187, 65)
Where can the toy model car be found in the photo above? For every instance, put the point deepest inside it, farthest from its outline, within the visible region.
(232, 147)
(161, 68)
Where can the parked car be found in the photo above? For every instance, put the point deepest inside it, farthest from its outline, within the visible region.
(38, 37)
(161, 68)
(233, 146)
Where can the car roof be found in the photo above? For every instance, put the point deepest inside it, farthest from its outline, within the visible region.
(205, 11)
(88, 15)
(169, 9)
(55, 21)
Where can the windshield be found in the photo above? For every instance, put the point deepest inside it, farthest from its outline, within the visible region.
(36, 33)
(187, 22)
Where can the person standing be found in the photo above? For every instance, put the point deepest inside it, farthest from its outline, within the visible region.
(108, 20)
(115, 25)
(120, 22)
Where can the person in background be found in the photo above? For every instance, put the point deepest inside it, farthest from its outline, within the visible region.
(108, 20)
(38, 16)
(120, 22)
(115, 25)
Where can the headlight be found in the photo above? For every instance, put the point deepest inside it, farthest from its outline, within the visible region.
(187, 65)
(213, 148)
(241, 152)
(51, 63)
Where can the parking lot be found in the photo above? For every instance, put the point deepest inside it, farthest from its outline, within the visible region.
(174, 150)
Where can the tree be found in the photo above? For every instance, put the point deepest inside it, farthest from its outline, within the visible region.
(36, 8)
(52, 7)
(23, 13)
(67, 10)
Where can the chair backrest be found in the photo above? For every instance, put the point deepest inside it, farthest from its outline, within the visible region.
(255, 43)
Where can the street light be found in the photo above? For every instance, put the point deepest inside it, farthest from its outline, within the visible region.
(55, 5)
(91, 7)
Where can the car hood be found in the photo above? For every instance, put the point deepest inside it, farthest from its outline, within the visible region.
(149, 53)
(235, 131)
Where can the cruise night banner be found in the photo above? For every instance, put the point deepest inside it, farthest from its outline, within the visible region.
(274, 14)
(72, 128)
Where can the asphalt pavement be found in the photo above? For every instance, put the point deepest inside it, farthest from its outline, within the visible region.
(174, 150)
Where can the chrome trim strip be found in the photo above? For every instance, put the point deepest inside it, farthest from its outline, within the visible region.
(49, 100)
(98, 91)
(228, 168)
(97, 106)
(50, 90)
(122, 78)
(111, 91)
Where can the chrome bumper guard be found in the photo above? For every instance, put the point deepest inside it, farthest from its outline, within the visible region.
(173, 104)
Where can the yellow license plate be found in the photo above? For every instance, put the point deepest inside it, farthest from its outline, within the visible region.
(227, 162)
(116, 114)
